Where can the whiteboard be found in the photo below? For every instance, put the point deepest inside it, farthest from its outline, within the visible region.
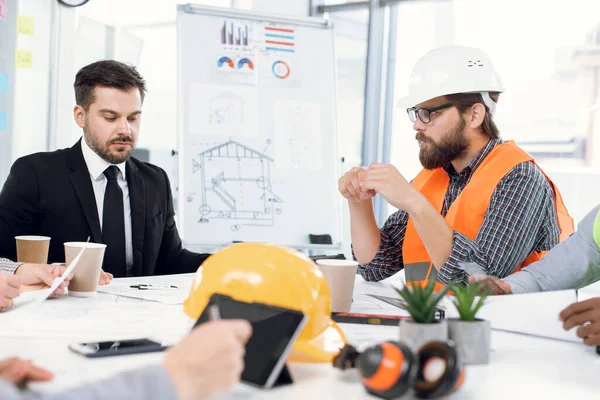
(257, 141)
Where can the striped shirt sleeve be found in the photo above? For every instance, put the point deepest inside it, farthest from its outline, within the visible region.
(8, 266)
(388, 259)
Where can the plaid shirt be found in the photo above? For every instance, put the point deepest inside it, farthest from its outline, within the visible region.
(8, 266)
(521, 218)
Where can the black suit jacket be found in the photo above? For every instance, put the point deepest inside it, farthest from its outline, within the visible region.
(51, 194)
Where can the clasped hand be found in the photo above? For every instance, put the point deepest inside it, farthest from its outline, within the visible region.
(363, 183)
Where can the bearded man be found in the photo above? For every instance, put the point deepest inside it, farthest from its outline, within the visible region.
(478, 199)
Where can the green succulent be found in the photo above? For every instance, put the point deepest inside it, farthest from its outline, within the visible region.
(464, 300)
(421, 301)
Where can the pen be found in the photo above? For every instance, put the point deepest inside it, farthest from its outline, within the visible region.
(144, 286)
(22, 384)
(213, 312)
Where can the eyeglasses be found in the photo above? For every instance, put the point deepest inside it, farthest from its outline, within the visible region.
(424, 114)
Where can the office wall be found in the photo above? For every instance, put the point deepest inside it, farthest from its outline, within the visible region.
(31, 95)
(26, 100)
(7, 84)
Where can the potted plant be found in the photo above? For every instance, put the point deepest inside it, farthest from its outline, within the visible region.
(470, 334)
(422, 327)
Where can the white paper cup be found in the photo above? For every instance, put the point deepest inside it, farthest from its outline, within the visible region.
(340, 276)
(87, 273)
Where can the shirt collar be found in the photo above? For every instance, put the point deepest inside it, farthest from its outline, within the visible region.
(476, 161)
(96, 164)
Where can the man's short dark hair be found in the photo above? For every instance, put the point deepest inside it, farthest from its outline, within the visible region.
(464, 101)
(106, 73)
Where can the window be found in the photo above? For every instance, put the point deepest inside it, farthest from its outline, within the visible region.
(550, 69)
(417, 22)
(547, 65)
(351, 53)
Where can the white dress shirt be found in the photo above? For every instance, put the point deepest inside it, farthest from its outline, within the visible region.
(96, 165)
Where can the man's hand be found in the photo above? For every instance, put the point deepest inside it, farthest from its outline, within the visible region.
(41, 276)
(105, 278)
(350, 183)
(209, 360)
(9, 289)
(386, 180)
(491, 284)
(16, 370)
(586, 315)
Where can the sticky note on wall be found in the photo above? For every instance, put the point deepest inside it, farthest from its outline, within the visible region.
(3, 83)
(2, 120)
(23, 59)
(25, 25)
(2, 9)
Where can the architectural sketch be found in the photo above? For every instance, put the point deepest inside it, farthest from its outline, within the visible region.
(236, 185)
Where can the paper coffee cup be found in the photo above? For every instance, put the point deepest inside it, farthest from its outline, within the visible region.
(87, 272)
(340, 276)
(32, 249)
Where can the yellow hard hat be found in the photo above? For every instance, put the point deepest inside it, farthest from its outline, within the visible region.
(278, 276)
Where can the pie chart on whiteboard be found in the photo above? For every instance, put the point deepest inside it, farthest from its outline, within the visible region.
(225, 63)
(245, 64)
(281, 70)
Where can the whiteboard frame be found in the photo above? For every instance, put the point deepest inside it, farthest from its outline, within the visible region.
(314, 22)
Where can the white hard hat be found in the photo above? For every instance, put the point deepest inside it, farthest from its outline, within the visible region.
(450, 70)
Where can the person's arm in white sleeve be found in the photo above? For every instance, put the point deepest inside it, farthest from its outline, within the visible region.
(206, 362)
(144, 384)
(572, 264)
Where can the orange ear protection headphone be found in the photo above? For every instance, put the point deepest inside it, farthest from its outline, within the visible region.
(388, 370)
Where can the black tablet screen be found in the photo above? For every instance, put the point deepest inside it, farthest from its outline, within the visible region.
(272, 330)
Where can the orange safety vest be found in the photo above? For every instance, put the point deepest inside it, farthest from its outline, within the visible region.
(467, 212)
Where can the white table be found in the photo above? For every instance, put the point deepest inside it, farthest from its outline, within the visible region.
(520, 366)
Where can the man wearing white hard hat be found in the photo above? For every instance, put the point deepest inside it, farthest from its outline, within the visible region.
(478, 199)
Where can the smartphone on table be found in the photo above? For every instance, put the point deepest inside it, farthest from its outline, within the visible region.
(117, 347)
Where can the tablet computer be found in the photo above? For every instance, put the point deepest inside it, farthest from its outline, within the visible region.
(274, 331)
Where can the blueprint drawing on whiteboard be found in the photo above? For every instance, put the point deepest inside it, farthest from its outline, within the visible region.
(233, 182)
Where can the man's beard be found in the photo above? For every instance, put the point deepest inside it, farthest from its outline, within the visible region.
(452, 145)
(104, 152)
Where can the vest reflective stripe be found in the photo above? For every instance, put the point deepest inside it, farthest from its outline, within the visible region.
(468, 210)
(419, 271)
(597, 230)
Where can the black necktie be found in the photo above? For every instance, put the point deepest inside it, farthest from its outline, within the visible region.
(113, 225)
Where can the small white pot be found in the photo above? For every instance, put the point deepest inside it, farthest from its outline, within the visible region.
(415, 335)
(472, 339)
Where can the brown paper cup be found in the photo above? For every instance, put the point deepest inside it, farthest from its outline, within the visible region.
(340, 276)
(87, 273)
(32, 249)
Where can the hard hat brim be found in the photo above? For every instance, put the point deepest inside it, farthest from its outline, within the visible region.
(411, 101)
(406, 102)
(321, 349)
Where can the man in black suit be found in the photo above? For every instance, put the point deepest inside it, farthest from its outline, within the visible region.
(96, 189)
